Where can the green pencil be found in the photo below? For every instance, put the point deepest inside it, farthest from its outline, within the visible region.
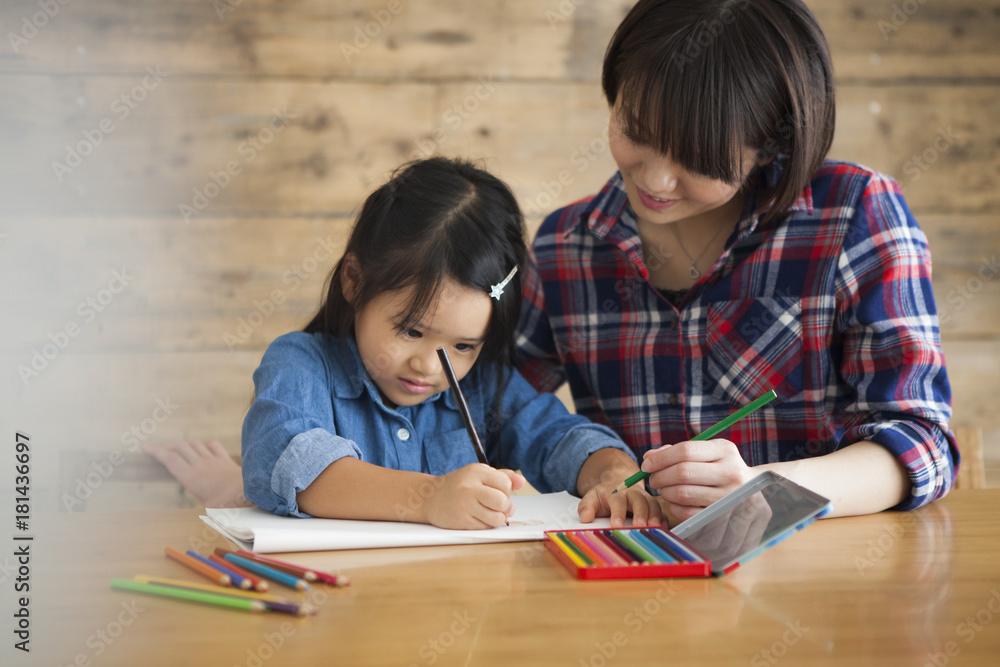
(243, 604)
(710, 432)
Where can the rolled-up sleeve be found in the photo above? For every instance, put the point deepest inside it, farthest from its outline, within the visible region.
(892, 357)
(289, 433)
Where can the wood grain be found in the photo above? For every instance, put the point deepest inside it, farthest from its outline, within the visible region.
(444, 39)
(167, 97)
(887, 589)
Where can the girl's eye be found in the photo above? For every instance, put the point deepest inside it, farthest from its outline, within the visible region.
(410, 333)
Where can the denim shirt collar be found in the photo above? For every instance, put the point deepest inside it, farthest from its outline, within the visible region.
(355, 378)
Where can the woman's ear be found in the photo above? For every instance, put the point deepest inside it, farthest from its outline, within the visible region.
(350, 276)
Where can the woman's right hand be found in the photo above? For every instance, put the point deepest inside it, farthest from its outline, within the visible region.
(474, 497)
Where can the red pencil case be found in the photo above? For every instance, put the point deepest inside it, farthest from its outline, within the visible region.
(739, 526)
(606, 553)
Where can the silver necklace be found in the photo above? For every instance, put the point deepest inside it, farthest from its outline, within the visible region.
(693, 271)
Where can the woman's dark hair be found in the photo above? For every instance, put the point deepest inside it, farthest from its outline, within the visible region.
(435, 219)
(700, 80)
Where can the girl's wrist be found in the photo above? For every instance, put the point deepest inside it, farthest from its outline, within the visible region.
(605, 466)
(416, 496)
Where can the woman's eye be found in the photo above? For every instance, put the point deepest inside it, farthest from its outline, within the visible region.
(465, 347)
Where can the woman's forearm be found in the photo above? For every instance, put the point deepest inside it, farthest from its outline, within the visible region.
(862, 478)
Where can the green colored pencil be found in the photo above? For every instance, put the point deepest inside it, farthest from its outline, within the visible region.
(243, 604)
(710, 432)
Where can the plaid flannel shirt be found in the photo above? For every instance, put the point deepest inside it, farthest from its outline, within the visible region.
(830, 306)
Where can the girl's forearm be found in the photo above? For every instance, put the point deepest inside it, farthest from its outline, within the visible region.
(862, 478)
(604, 465)
(353, 489)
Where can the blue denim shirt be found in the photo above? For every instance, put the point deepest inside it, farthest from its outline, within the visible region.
(315, 404)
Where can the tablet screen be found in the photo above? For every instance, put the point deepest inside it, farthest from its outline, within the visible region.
(746, 521)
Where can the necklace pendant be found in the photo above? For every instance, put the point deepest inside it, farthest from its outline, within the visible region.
(694, 272)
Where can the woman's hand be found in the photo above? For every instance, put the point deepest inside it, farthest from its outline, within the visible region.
(473, 497)
(693, 474)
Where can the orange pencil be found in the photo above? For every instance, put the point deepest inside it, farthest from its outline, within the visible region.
(256, 582)
(206, 571)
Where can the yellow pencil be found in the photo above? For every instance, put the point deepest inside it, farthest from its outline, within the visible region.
(208, 588)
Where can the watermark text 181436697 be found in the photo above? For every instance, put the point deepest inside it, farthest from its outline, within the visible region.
(22, 541)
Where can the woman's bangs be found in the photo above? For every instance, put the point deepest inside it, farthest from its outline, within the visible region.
(681, 116)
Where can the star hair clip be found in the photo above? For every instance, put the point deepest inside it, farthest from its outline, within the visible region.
(497, 289)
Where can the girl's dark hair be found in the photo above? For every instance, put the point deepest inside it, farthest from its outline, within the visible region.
(435, 219)
(700, 80)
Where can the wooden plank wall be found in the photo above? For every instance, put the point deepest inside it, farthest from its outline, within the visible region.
(178, 176)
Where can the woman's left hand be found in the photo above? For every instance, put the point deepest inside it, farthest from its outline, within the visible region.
(693, 474)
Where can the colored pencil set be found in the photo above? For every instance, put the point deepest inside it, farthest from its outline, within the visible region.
(626, 553)
(239, 580)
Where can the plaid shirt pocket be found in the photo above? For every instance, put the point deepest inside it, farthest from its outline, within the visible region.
(753, 346)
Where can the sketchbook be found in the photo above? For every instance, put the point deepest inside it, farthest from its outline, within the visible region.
(255, 530)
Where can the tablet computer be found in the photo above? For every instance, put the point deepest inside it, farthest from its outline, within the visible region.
(751, 519)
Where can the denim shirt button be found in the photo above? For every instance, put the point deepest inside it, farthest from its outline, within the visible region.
(403, 434)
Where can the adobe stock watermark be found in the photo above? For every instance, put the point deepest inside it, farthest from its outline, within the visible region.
(779, 648)
(104, 637)
(706, 32)
(968, 630)
(364, 34)
(563, 13)
(959, 296)
(880, 546)
(432, 650)
(30, 25)
(273, 641)
(248, 151)
(631, 291)
(918, 164)
(455, 116)
(223, 7)
(635, 620)
(585, 155)
(899, 17)
(131, 441)
(59, 340)
(293, 277)
(121, 107)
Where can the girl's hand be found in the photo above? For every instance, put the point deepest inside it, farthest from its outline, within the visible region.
(693, 474)
(474, 497)
(600, 501)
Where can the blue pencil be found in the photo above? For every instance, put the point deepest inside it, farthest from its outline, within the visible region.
(270, 573)
(651, 546)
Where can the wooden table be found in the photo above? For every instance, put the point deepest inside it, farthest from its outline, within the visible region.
(895, 588)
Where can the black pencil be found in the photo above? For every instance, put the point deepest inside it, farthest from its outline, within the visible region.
(463, 407)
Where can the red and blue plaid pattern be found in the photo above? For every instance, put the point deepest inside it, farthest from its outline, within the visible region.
(831, 307)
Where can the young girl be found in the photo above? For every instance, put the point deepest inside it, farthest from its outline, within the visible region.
(727, 258)
(353, 417)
